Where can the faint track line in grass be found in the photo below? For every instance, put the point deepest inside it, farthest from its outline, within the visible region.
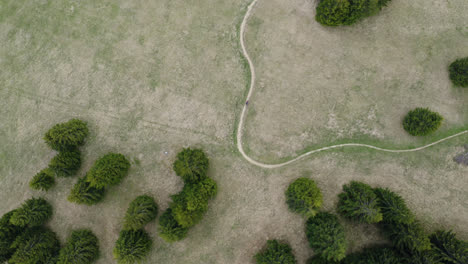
(278, 165)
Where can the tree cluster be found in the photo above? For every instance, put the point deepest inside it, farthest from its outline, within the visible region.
(346, 12)
(188, 207)
(107, 171)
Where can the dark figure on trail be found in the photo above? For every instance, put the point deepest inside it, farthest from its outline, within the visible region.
(247, 103)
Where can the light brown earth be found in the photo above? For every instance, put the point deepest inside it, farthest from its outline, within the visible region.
(156, 76)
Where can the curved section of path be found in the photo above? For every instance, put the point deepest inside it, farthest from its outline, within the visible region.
(278, 165)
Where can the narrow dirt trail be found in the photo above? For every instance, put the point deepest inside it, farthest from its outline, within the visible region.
(278, 165)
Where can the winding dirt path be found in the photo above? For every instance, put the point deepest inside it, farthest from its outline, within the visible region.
(278, 165)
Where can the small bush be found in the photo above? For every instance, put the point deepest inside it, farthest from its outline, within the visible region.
(66, 163)
(304, 197)
(393, 207)
(276, 253)
(191, 165)
(44, 180)
(422, 122)
(189, 206)
(66, 136)
(108, 170)
(169, 229)
(408, 238)
(448, 248)
(36, 245)
(132, 246)
(141, 211)
(8, 234)
(459, 72)
(83, 193)
(326, 236)
(81, 248)
(359, 202)
(33, 212)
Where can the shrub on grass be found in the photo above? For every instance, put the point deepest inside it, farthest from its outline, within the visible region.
(81, 248)
(36, 245)
(44, 180)
(448, 248)
(132, 246)
(459, 72)
(393, 207)
(191, 165)
(304, 197)
(359, 202)
(83, 193)
(276, 253)
(189, 205)
(33, 212)
(66, 163)
(408, 238)
(66, 136)
(8, 234)
(108, 170)
(326, 236)
(346, 12)
(141, 211)
(169, 229)
(422, 122)
(383, 3)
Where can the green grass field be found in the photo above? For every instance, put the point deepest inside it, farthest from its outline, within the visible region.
(157, 76)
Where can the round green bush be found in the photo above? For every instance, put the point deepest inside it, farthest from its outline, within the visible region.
(108, 170)
(83, 193)
(358, 202)
(36, 245)
(44, 180)
(409, 238)
(33, 212)
(141, 211)
(422, 122)
(191, 165)
(66, 136)
(8, 234)
(304, 197)
(132, 246)
(169, 229)
(81, 248)
(189, 206)
(66, 163)
(393, 207)
(459, 72)
(448, 249)
(326, 236)
(346, 12)
(276, 253)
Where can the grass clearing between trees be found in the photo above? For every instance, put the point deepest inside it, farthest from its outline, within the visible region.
(151, 77)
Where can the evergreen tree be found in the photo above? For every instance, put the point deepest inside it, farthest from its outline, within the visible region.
(8, 234)
(66, 136)
(108, 170)
(141, 211)
(326, 236)
(408, 238)
(459, 72)
(359, 202)
(448, 248)
(44, 180)
(36, 245)
(132, 246)
(393, 207)
(191, 165)
(66, 163)
(169, 229)
(304, 197)
(33, 212)
(81, 248)
(276, 253)
(83, 193)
